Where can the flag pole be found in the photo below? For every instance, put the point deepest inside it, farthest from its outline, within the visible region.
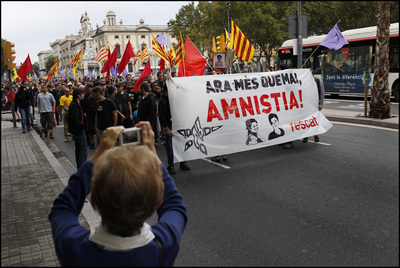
(310, 56)
(252, 67)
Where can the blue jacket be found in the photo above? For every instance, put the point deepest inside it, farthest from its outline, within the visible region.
(71, 240)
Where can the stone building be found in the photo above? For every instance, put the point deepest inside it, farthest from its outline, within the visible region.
(112, 32)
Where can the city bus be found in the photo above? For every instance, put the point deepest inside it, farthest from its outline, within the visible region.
(342, 71)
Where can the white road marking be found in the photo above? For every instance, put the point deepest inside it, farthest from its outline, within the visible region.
(310, 140)
(216, 163)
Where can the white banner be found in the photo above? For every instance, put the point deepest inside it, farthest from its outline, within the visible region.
(224, 114)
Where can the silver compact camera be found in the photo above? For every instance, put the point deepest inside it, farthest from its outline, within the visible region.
(130, 135)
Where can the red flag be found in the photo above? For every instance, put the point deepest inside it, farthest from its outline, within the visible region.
(146, 72)
(162, 65)
(104, 69)
(128, 54)
(113, 58)
(25, 68)
(193, 61)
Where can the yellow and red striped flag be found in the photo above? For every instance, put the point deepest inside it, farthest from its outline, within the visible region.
(228, 39)
(180, 51)
(138, 56)
(171, 56)
(158, 49)
(102, 55)
(78, 57)
(145, 54)
(53, 69)
(243, 49)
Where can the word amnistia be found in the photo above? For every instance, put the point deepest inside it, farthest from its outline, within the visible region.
(217, 86)
(255, 105)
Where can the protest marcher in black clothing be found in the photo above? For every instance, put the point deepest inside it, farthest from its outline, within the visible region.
(112, 92)
(146, 111)
(76, 126)
(90, 106)
(125, 106)
(106, 112)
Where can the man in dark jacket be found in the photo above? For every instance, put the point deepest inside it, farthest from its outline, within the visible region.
(76, 126)
(126, 106)
(164, 113)
(90, 106)
(146, 110)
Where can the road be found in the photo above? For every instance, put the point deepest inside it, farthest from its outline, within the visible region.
(333, 203)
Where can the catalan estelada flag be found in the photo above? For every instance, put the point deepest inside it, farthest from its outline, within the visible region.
(228, 39)
(53, 69)
(171, 56)
(145, 54)
(180, 51)
(78, 57)
(102, 55)
(243, 49)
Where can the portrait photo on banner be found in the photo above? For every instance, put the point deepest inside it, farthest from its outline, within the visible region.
(219, 60)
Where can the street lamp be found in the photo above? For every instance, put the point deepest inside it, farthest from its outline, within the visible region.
(228, 6)
(168, 26)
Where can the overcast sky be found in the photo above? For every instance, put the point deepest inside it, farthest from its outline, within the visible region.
(32, 25)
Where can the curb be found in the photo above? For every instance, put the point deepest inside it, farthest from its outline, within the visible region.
(363, 121)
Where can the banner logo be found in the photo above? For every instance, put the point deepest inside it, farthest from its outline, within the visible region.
(196, 135)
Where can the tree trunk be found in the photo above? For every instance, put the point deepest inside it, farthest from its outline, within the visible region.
(380, 92)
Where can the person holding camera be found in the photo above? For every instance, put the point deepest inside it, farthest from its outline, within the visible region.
(127, 185)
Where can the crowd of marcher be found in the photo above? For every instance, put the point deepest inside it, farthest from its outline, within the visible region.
(96, 105)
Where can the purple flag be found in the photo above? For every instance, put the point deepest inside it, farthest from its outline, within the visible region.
(89, 75)
(334, 39)
(63, 73)
(113, 71)
(124, 73)
(161, 39)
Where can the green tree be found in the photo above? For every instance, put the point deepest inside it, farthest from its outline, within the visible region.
(35, 68)
(49, 62)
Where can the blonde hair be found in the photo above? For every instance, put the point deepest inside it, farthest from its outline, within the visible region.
(127, 188)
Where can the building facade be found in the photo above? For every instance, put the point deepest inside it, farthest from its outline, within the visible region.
(111, 33)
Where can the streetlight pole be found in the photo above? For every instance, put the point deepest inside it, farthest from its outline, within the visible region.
(228, 6)
(299, 37)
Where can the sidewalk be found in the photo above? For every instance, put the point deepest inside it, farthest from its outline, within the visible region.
(32, 177)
